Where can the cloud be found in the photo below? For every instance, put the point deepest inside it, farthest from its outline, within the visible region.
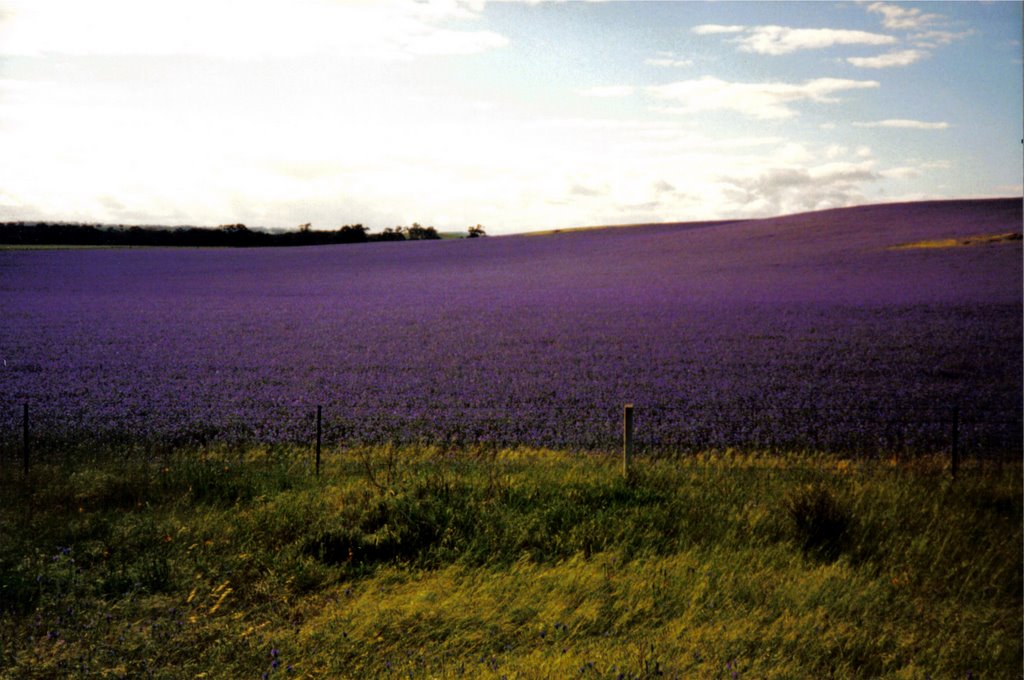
(582, 190)
(835, 150)
(668, 60)
(933, 39)
(669, 63)
(713, 29)
(757, 100)
(608, 91)
(903, 172)
(917, 169)
(901, 17)
(903, 58)
(382, 30)
(776, 40)
(790, 189)
(903, 123)
(443, 41)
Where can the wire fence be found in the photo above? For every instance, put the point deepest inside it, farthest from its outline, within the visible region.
(657, 429)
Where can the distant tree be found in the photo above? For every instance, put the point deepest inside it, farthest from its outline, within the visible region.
(350, 233)
(226, 235)
(390, 234)
(476, 232)
(418, 232)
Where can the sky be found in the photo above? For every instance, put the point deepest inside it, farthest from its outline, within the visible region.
(517, 116)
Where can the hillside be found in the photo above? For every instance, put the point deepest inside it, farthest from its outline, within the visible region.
(804, 331)
(950, 217)
(845, 254)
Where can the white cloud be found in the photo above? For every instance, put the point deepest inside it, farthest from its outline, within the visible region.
(906, 18)
(902, 58)
(590, 191)
(835, 150)
(448, 9)
(933, 39)
(902, 172)
(779, 190)
(827, 126)
(901, 17)
(713, 29)
(915, 169)
(903, 123)
(757, 100)
(388, 30)
(669, 63)
(608, 91)
(444, 41)
(776, 40)
(668, 60)
(792, 153)
(662, 187)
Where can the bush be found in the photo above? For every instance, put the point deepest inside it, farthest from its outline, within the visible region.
(821, 525)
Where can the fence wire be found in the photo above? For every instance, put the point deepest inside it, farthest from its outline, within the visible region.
(657, 429)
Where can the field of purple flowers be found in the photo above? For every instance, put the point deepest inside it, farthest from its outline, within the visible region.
(807, 331)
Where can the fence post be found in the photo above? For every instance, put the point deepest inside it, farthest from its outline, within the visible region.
(627, 438)
(24, 428)
(955, 448)
(318, 441)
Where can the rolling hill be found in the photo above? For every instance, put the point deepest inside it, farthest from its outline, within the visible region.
(819, 330)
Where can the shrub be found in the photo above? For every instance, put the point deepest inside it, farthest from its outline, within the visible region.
(821, 525)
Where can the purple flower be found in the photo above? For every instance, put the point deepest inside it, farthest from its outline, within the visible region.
(721, 336)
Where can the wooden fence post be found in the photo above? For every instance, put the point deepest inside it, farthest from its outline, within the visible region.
(24, 428)
(318, 441)
(955, 448)
(627, 438)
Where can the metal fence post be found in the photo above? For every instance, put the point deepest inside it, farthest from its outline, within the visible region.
(955, 448)
(24, 427)
(318, 441)
(627, 438)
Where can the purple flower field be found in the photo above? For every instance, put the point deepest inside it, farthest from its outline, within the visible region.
(800, 331)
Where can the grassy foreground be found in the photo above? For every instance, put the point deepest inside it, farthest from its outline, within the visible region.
(520, 564)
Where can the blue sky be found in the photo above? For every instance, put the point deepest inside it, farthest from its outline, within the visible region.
(514, 115)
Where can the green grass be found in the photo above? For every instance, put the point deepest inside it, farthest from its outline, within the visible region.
(426, 563)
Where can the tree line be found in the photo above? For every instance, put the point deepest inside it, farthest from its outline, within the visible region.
(227, 235)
